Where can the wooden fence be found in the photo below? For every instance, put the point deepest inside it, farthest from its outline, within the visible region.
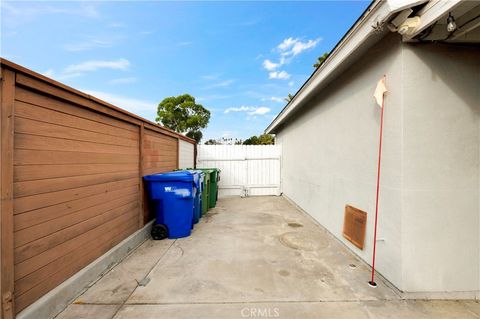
(71, 181)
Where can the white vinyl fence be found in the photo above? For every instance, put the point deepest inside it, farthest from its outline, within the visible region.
(247, 170)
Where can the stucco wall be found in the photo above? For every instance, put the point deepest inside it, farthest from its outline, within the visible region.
(330, 154)
(429, 224)
(441, 168)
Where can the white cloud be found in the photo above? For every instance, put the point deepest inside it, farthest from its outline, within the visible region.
(287, 43)
(239, 109)
(250, 110)
(210, 77)
(219, 84)
(93, 65)
(130, 104)
(66, 76)
(277, 99)
(60, 77)
(281, 75)
(18, 13)
(274, 99)
(76, 70)
(270, 66)
(259, 111)
(88, 44)
(293, 47)
(291, 83)
(123, 80)
(287, 50)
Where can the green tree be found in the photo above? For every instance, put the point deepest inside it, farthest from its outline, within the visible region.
(183, 115)
(264, 139)
(321, 59)
(196, 135)
(288, 98)
(253, 140)
(212, 142)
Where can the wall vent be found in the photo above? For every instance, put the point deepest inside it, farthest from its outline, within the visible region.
(354, 225)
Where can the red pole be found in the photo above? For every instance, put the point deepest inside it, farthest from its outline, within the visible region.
(372, 282)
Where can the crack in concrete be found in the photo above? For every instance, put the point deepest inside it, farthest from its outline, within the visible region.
(145, 279)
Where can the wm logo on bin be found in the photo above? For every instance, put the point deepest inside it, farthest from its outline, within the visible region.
(169, 189)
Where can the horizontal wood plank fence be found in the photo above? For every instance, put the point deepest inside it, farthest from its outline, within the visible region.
(71, 181)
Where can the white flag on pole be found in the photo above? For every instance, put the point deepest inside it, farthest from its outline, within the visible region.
(380, 91)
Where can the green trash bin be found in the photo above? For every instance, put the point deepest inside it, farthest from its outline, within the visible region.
(214, 179)
(205, 193)
(206, 189)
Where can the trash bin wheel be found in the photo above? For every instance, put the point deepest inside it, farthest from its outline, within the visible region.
(159, 232)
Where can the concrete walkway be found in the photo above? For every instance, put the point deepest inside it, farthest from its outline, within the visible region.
(253, 257)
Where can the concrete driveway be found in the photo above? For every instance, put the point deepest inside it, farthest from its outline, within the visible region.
(255, 257)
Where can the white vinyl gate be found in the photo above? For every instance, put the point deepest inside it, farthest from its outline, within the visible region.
(247, 170)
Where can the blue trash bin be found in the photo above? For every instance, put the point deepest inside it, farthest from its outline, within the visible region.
(173, 195)
(197, 213)
(199, 194)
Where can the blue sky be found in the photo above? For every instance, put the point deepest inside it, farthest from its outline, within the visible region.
(238, 59)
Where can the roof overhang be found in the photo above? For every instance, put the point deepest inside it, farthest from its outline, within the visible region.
(433, 22)
(368, 29)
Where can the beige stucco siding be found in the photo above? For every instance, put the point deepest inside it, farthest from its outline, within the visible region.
(441, 168)
(330, 154)
(429, 224)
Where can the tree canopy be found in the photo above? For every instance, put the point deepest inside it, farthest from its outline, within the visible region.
(288, 98)
(212, 142)
(224, 141)
(182, 114)
(321, 59)
(264, 139)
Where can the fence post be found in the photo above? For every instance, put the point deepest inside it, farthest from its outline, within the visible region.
(195, 155)
(7, 96)
(141, 216)
(178, 152)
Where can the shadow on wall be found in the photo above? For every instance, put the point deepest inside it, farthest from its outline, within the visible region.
(461, 58)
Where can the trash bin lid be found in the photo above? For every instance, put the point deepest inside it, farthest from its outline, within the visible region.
(211, 169)
(195, 171)
(176, 176)
(200, 175)
(207, 170)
